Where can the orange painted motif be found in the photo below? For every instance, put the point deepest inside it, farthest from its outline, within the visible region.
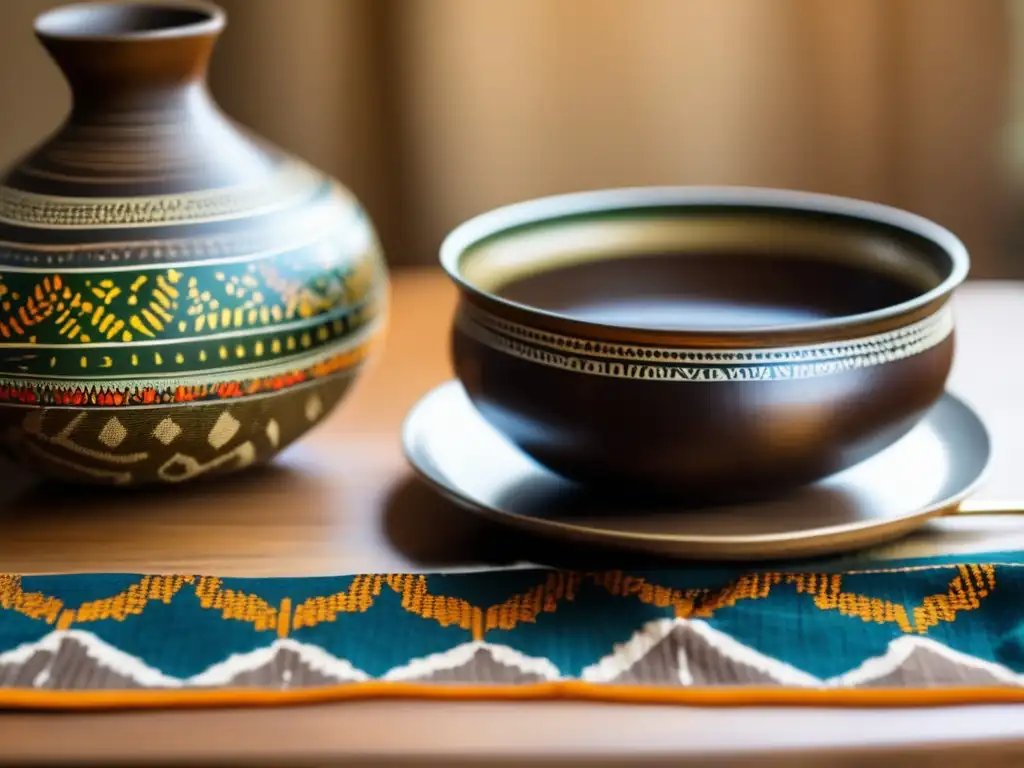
(63, 395)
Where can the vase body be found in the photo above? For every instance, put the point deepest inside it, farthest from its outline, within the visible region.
(177, 297)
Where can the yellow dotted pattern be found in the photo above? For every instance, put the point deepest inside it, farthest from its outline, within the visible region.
(169, 300)
(235, 351)
(239, 301)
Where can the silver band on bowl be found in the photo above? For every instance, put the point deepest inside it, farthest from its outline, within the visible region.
(632, 361)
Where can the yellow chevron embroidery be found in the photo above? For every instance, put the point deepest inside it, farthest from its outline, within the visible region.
(965, 593)
(235, 605)
(358, 598)
(129, 602)
(34, 605)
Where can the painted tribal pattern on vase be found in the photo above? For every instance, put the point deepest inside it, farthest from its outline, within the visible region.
(143, 349)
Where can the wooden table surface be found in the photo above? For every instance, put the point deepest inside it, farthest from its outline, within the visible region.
(344, 501)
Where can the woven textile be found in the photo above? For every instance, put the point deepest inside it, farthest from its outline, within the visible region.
(905, 632)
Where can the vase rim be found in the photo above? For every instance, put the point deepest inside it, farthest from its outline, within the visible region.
(111, 21)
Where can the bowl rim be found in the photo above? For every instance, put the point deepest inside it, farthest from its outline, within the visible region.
(551, 208)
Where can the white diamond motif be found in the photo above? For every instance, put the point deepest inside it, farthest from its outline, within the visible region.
(113, 433)
(166, 431)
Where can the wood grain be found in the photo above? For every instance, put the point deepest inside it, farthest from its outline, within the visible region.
(343, 501)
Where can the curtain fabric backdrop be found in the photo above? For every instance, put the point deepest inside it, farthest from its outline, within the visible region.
(434, 110)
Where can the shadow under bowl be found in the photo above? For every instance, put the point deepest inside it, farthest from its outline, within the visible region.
(712, 343)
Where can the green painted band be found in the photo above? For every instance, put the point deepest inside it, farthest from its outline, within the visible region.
(188, 355)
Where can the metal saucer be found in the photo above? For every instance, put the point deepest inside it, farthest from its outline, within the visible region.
(926, 474)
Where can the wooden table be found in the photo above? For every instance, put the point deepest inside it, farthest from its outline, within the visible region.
(344, 501)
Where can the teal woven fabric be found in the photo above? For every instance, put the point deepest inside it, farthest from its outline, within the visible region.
(909, 624)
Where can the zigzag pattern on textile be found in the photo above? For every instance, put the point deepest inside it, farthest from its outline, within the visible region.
(663, 652)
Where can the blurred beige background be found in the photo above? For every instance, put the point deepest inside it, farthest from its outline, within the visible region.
(434, 110)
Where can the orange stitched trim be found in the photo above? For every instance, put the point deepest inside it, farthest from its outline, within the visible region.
(570, 690)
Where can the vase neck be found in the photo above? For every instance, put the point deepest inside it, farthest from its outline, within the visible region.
(135, 55)
(142, 120)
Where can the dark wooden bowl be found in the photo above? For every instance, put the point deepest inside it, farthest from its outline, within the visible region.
(713, 344)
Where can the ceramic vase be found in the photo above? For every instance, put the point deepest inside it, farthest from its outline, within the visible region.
(178, 298)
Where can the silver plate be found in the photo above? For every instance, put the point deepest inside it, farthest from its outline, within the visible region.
(927, 473)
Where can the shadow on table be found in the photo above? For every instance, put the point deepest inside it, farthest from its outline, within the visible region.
(434, 532)
(23, 495)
